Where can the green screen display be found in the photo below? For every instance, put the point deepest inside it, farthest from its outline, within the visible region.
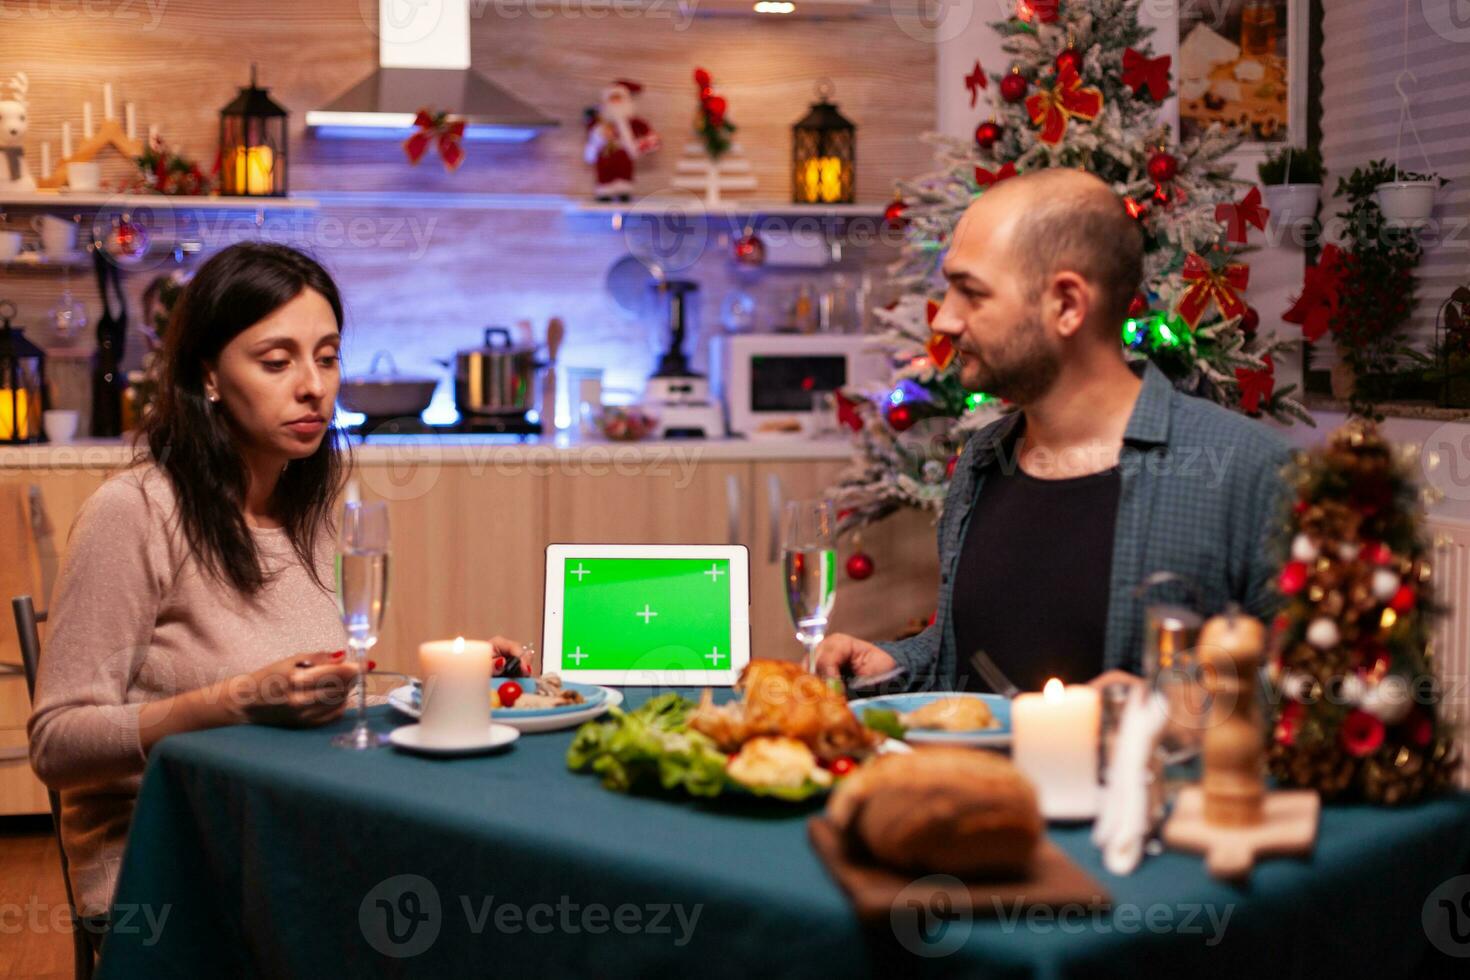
(646, 614)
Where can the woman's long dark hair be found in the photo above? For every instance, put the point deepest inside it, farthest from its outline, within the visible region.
(191, 441)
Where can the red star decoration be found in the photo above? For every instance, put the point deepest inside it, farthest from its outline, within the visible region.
(975, 81)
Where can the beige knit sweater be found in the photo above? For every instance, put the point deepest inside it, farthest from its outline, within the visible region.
(136, 618)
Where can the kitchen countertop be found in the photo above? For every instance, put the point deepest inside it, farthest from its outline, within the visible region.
(473, 450)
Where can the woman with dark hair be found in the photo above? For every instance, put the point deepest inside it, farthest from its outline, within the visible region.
(198, 582)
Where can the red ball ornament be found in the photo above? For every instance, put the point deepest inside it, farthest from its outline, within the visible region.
(1014, 86)
(1250, 322)
(1361, 733)
(1072, 57)
(749, 250)
(987, 133)
(901, 418)
(1403, 600)
(893, 215)
(1163, 167)
(859, 566)
(1293, 577)
(1138, 305)
(1376, 552)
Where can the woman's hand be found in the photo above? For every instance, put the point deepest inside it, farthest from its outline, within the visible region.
(298, 692)
(529, 658)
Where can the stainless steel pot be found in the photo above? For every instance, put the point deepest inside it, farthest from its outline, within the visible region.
(390, 395)
(496, 379)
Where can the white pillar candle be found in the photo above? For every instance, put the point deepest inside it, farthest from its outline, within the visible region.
(107, 100)
(1054, 743)
(130, 113)
(456, 693)
(152, 134)
(66, 141)
(86, 120)
(45, 159)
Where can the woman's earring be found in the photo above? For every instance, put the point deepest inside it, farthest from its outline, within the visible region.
(213, 396)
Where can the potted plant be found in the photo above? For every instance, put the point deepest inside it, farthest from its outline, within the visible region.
(1408, 197)
(1452, 348)
(1291, 183)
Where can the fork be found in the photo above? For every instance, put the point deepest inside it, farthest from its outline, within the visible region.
(993, 675)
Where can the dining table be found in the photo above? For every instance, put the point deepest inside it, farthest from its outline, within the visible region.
(266, 852)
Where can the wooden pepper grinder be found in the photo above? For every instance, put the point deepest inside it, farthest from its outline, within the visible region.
(1231, 817)
(1230, 650)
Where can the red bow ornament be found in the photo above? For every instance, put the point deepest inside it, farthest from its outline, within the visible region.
(975, 81)
(984, 178)
(1256, 386)
(1321, 295)
(1236, 216)
(1050, 109)
(1141, 73)
(940, 348)
(436, 129)
(1208, 286)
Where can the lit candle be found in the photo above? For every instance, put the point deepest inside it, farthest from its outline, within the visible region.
(1054, 743)
(456, 696)
(86, 120)
(15, 420)
(253, 169)
(107, 100)
(130, 112)
(823, 180)
(66, 141)
(153, 134)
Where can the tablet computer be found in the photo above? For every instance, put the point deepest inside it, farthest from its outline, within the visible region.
(647, 615)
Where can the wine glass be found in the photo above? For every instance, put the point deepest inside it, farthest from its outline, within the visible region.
(809, 561)
(362, 597)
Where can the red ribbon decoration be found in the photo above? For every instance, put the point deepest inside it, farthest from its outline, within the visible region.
(1256, 386)
(1236, 216)
(1221, 288)
(975, 81)
(1051, 109)
(1141, 73)
(847, 412)
(436, 129)
(1321, 296)
(984, 178)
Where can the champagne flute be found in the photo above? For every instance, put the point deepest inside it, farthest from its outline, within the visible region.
(809, 561)
(362, 597)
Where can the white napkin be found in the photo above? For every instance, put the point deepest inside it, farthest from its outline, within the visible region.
(1122, 825)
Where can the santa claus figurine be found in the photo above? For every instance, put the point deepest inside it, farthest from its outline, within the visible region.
(615, 138)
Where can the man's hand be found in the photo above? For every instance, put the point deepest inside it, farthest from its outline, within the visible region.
(841, 654)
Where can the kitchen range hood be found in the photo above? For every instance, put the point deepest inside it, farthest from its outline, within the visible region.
(424, 63)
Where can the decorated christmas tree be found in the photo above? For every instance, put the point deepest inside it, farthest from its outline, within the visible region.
(1081, 90)
(1357, 704)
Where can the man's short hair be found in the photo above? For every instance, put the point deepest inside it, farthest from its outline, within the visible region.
(1086, 231)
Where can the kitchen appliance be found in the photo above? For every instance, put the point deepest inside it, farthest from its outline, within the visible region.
(676, 395)
(477, 425)
(768, 381)
(498, 379)
(386, 395)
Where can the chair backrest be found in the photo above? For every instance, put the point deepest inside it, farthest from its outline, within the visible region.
(26, 622)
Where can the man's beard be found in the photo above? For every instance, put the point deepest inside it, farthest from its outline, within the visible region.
(1020, 372)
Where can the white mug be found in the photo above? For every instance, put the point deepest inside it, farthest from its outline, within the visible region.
(9, 245)
(60, 424)
(58, 235)
(84, 176)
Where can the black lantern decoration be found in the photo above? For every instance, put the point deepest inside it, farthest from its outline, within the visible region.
(823, 154)
(253, 145)
(22, 382)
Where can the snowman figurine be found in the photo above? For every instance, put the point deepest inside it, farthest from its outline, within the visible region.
(14, 176)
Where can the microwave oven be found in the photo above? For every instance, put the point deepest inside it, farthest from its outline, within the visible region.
(768, 381)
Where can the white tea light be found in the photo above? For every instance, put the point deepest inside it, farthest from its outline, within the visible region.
(456, 695)
(1054, 743)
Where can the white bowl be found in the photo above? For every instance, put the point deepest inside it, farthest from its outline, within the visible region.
(60, 424)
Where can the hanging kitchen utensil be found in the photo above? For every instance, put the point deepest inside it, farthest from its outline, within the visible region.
(627, 282)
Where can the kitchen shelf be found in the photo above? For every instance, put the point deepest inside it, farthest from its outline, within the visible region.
(693, 207)
(56, 201)
(448, 200)
(42, 263)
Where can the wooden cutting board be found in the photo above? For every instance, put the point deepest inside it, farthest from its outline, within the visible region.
(875, 891)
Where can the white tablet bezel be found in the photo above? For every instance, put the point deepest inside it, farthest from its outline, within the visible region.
(551, 621)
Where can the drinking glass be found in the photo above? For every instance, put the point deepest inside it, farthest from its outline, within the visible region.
(362, 597)
(809, 560)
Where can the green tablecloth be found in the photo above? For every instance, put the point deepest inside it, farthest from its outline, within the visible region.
(269, 851)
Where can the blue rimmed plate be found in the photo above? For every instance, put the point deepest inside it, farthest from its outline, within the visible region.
(989, 738)
(406, 700)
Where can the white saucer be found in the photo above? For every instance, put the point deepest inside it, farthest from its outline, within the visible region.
(411, 737)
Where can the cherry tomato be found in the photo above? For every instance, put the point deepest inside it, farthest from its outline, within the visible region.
(842, 766)
(510, 692)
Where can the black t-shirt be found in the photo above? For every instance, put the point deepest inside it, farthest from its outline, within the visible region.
(1031, 585)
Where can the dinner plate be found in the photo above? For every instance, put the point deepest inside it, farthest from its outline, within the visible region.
(989, 738)
(528, 720)
(495, 736)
